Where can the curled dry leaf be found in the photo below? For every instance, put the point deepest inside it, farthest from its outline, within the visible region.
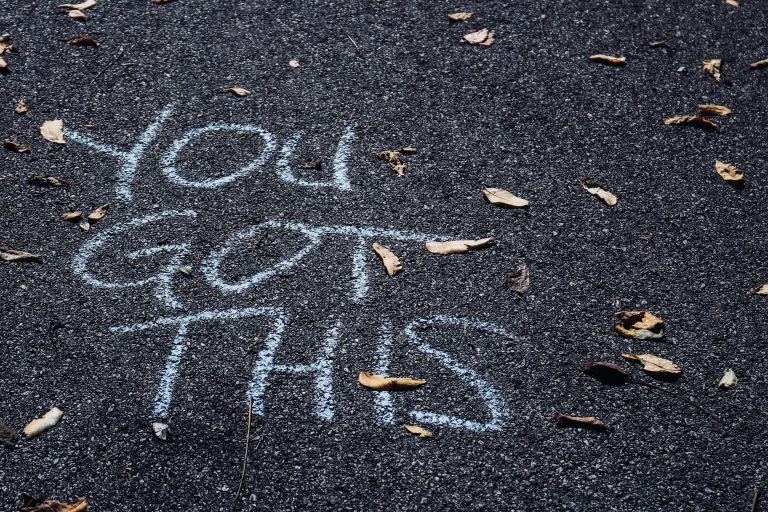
(458, 246)
(83, 41)
(482, 37)
(520, 281)
(77, 15)
(460, 16)
(238, 91)
(53, 131)
(728, 380)
(760, 290)
(7, 254)
(641, 325)
(394, 159)
(391, 263)
(565, 420)
(99, 213)
(717, 110)
(598, 191)
(501, 197)
(37, 426)
(21, 107)
(653, 364)
(607, 373)
(30, 504)
(12, 145)
(728, 172)
(415, 429)
(294, 63)
(8, 437)
(608, 59)
(47, 181)
(381, 383)
(759, 64)
(70, 216)
(161, 430)
(699, 121)
(712, 66)
(408, 150)
(78, 7)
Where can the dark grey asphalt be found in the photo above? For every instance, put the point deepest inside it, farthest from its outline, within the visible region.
(530, 114)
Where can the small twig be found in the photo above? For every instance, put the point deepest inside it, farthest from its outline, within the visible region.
(353, 41)
(247, 443)
(117, 59)
(679, 397)
(755, 499)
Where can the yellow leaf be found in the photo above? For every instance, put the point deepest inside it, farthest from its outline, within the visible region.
(700, 121)
(728, 172)
(421, 432)
(37, 426)
(641, 325)
(458, 246)
(460, 16)
(381, 383)
(653, 364)
(391, 263)
(609, 59)
(718, 110)
(501, 197)
(728, 380)
(482, 37)
(759, 64)
(598, 191)
(53, 131)
(238, 91)
(760, 290)
(712, 66)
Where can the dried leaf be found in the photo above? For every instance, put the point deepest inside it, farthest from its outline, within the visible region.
(77, 15)
(458, 246)
(734, 3)
(238, 91)
(53, 131)
(408, 150)
(565, 420)
(460, 16)
(381, 383)
(15, 146)
(760, 290)
(759, 64)
(501, 197)
(520, 281)
(391, 263)
(37, 426)
(47, 181)
(78, 7)
(8, 437)
(608, 59)
(712, 66)
(699, 121)
(99, 213)
(21, 107)
(83, 41)
(3, 64)
(717, 110)
(641, 325)
(728, 380)
(607, 373)
(30, 504)
(653, 364)
(728, 172)
(482, 37)
(85, 225)
(6, 45)
(7, 254)
(394, 159)
(294, 63)
(598, 191)
(421, 432)
(71, 215)
(161, 430)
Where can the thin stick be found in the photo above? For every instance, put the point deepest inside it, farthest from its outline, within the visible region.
(119, 56)
(353, 41)
(679, 397)
(755, 498)
(247, 442)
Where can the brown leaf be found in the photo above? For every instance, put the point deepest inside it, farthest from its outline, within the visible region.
(414, 429)
(317, 165)
(39, 425)
(8, 437)
(15, 146)
(238, 91)
(83, 41)
(30, 504)
(717, 110)
(505, 198)
(21, 107)
(607, 373)
(71, 215)
(77, 15)
(653, 364)
(641, 325)
(394, 159)
(712, 66)
(759, 64)
(457, 246)
(699, 121)
(760, 290)
(598, 191)
(99, 213)
(460, 16)
(590, 422)
(381, 383)
(408, 150)
(728, 172)
(482, 37)
(85, 225)
(520, 281)
(391, 263)
(7, 254)
(78, 7)
(47, 181)
(6, 46)
(609, 59)
(53, 131)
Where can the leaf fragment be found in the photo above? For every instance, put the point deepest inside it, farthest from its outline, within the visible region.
(712, 66)
(460, 16)
(717, 110)
(391, 262)
(728, 380)
(186, 270)
(760, 290)
(733, 3)
(3, 64)
(607, 373)
(380, 383)
(482, 37)
(83, 41)
(30, 504)
(8, 437)
(408, 150)
(608, 59)
(641, 325)
(77, 15)
(53, 131)
(238, 91)
(520, 281)
(698, 121)
(37, 426)
(294, 63)
(759, 64)
(728, 172)
(653, 364)
(161, 430)
(87, 4)
(99, 213)
(47, 181)
(419, 431)
(12, 145)
(598, 191)
(21, 107)
(394, 159)
(590, 422)
(84, 225)
(71, 216)
(6, 46)
(505, 198)
(9, 255)
(458, 246)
